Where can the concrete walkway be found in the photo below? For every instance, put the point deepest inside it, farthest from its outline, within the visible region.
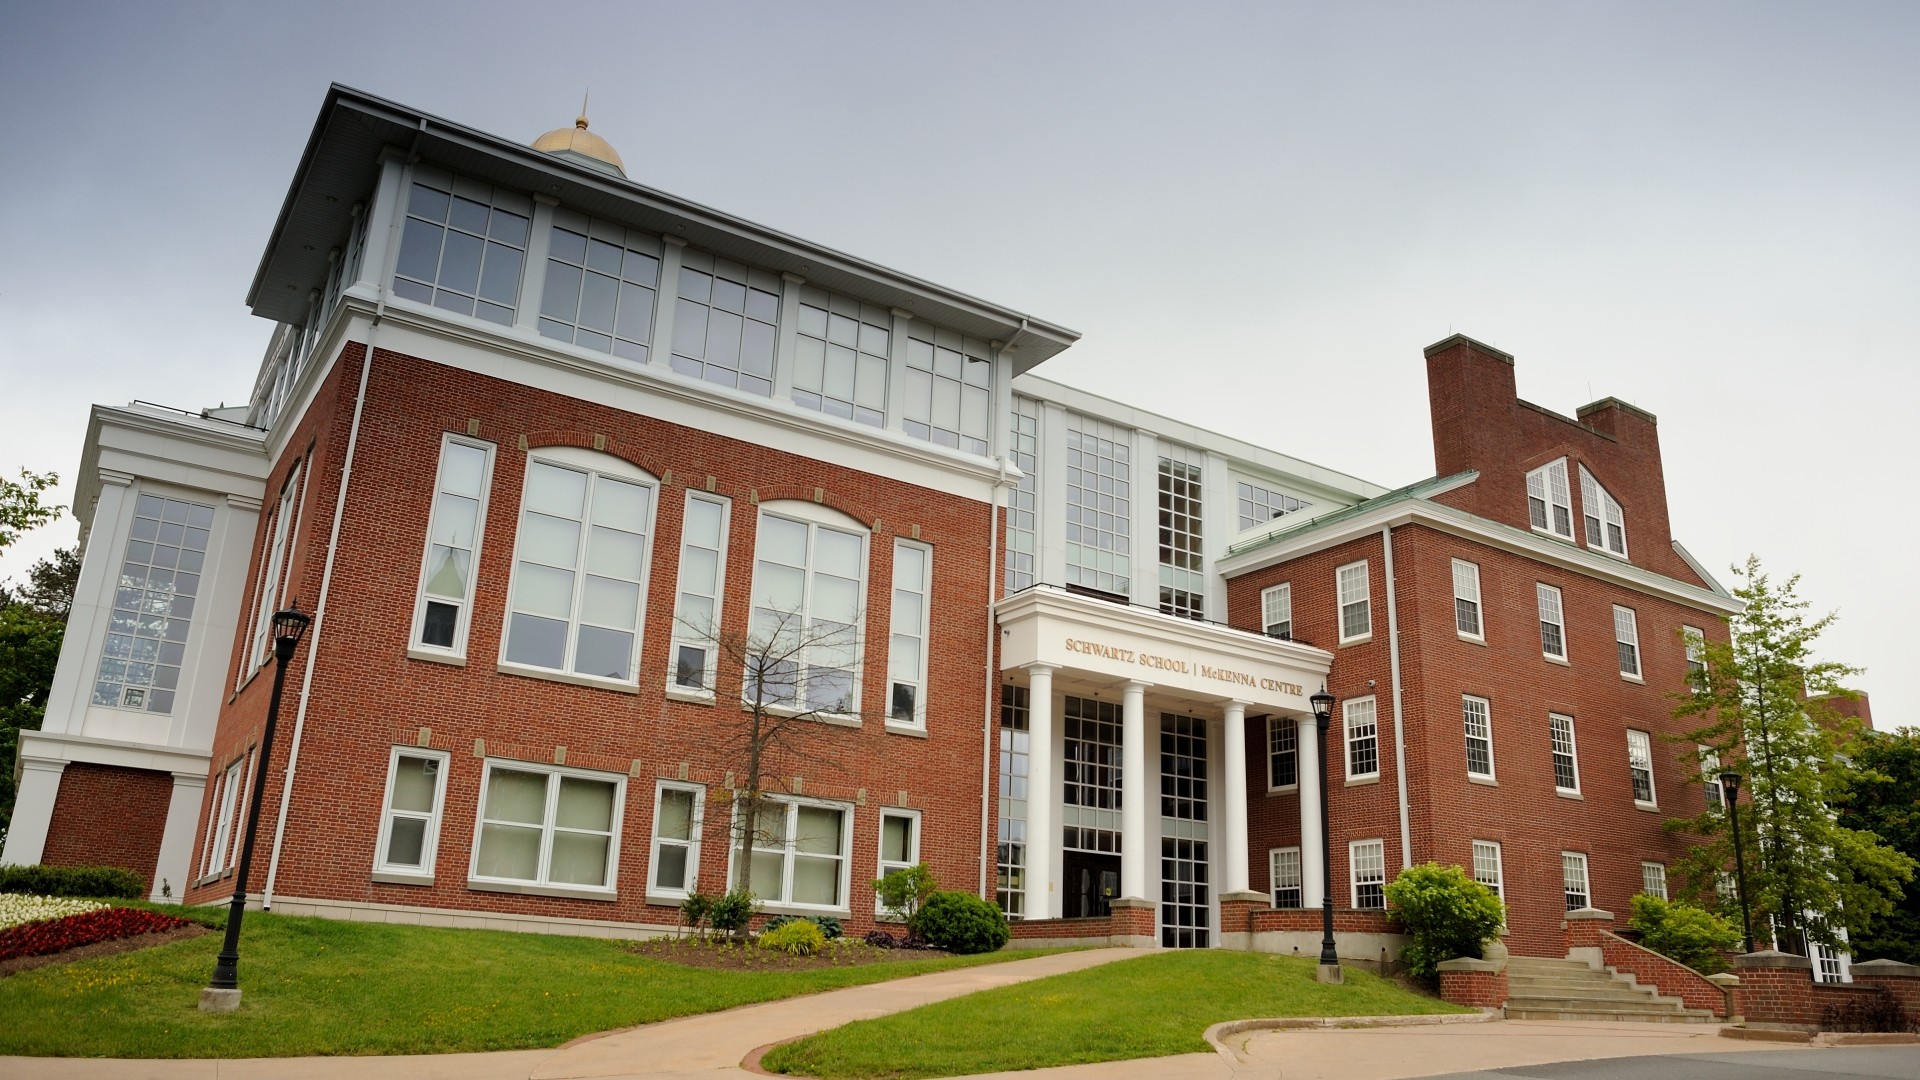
(711, 1046)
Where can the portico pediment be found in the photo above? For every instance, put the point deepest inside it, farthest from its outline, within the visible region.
(1098, 639)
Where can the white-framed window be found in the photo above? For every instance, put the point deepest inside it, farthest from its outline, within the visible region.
(580, 565)
(464, 246)
(678, 811)
(410, 815)
(899, 842)
(1284, 863)
(1710, 780)
(1258, 505)
(1023, 499)
(1099, 524)
(272, 590)
(1653, 879)
(153, 605)
(1626, 637)
(1640, 765)
(1696, 645)
(548, 826)
(1356, 611)
(703, 575)
(1276, 611)
(1283, 753)
(1478, 718)
(1183, 583)
(1359, 721)
(1486, 866)
(1830, 965)
(724, 317)
(1553, 622)
(444, 603)
(1016, 746)
(948, 393)
(1566, 762)
(810, 573)
(1573, 877)
(600, 286)
(1466, 600)
(840, 357)
(232, 803)
(1549, 503)
(907, 652)
(1367, 866)
(1606, 525)
(800, 852)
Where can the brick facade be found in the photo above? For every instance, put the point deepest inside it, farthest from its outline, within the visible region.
(106, 815)
(368, 696)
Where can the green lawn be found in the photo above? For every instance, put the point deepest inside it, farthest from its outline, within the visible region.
(321, 986)
(1156, 1005)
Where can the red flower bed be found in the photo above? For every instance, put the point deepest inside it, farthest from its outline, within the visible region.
(57, 935)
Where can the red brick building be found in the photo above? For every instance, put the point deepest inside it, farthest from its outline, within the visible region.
(572, 473)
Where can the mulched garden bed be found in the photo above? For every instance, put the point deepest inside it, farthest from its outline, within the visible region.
(102, 948)
(745, 956)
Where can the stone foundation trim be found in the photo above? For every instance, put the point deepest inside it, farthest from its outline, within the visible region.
(459, 918)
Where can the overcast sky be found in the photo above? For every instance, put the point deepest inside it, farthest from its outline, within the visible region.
(1257, 215)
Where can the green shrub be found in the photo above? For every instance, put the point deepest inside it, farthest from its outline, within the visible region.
(961, 923)
(1684, 932)
(104, 882)
(1446, 913)
(732, 911)
(694, 911)
(796, 937)
(902, 891)
(829, 926)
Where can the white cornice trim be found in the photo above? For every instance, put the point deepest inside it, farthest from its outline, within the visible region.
(54, 747)
(1155, 625)
(1457, 522)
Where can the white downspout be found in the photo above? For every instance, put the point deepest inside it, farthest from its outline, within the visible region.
(989, 724)
(1399, 726)
(333, 542)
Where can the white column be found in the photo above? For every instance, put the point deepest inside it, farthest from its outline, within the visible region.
(175, 863)
(32, 811)
(1233, 823)
(1313, 884)
(1138, 850)
(664, 301)
(786, 336)
(533, 280)
(1043, 833)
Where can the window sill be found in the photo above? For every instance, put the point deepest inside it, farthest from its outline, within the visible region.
(1608, 552)
(1651, 808)
(1361, 781)
(1552, 659)
(689, 695)
(1361, 640)
(1472, 639)
(671, 900)
(1624, 677)
(394, 877)
(429, 655)
(834, 719)
(1565, 794)
(917, 731)
(769, 908)
(569, 678)
(1566, 538)
(1483, 781)
(528, 888)
(1289, 789)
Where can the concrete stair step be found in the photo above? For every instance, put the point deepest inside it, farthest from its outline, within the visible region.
(1688, 1016)
(1584, 993)
(1581, 1004)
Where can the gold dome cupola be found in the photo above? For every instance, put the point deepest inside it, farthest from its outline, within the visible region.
(578, 144)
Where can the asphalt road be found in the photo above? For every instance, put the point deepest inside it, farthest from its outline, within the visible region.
(1878, 1062)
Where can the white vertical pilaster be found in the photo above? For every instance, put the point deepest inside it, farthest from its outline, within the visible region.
(1220, 521)
(897, 369)
(1043, 833)
(32, 812)
(1144, 585)
(661, 351)
(175, 863)
(1138, 850)
(533, 279)
(385, 219)
(786, 337)
(1233, 821)
(1313, 882)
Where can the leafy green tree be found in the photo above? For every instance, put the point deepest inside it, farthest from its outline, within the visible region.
(21, 507)
(1888, 805)
(1758, 706)
(1683, 932)
(33, 621)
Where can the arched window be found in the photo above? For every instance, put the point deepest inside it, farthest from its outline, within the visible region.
(804, 642)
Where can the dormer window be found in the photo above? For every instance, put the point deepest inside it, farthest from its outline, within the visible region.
(1548, 502)
(1609, 534)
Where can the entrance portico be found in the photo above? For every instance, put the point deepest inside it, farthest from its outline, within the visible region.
(1137, 746)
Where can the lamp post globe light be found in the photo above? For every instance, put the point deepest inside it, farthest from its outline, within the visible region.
(1730, 787)
(1329, 969)
(222, 993)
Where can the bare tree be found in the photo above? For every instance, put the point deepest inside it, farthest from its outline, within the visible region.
(796, 677)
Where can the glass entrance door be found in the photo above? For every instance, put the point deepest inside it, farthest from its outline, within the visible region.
(1186, 894)
(1092, 881)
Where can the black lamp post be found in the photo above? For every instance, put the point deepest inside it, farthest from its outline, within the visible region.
(1730, 787)
(223, 992)
(1329, 959)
